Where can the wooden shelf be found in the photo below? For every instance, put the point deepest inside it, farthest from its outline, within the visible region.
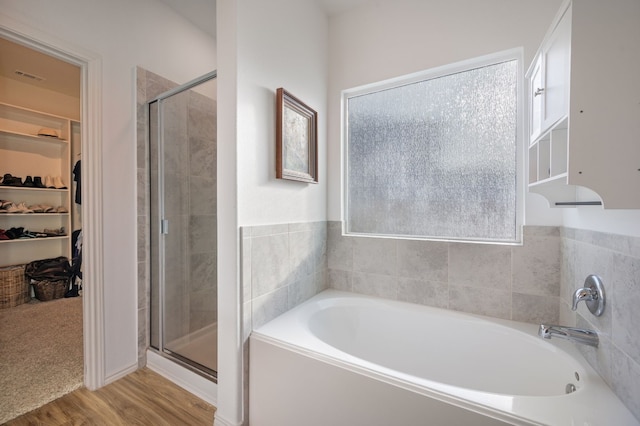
(29, 189)
(32, 214)
(32, 240)
(23, 153)
(8, 134)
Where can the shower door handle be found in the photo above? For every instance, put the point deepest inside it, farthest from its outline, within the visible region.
(164, 227)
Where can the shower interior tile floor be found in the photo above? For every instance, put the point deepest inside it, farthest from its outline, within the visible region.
(200, 346)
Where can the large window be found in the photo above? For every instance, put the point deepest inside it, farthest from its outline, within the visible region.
(437, 155)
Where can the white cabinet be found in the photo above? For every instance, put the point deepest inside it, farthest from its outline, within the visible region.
(584, 111)
(23, 153)
(549, 79)
(536, 94)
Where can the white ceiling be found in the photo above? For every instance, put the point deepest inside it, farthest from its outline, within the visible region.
(63, 77)
(201, 13)
(59, 76)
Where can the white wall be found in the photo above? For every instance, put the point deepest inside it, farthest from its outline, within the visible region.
(262, 46)
(230, 366)
(623, 222)
(125, 33)
(385, 39)
(281, 43)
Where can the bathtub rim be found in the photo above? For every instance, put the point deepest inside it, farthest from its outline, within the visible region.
(594, 390)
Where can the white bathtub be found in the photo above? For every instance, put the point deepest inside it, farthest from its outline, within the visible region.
(342, 359)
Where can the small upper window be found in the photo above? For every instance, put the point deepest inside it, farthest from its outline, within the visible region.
(437, 155)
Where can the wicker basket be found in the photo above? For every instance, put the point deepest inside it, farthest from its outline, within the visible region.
(48, 290)
(14, 286)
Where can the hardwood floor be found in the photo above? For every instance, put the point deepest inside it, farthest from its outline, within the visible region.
(141, 398)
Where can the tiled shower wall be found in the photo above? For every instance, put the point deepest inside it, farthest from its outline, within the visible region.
(190, 169)
(201, 275)
(616, 259)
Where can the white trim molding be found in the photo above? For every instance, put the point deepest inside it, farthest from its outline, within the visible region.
(188, 380)
(217, 421)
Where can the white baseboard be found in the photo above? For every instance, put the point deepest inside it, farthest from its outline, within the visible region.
(188, 380)
(217, 421)
(120, 374)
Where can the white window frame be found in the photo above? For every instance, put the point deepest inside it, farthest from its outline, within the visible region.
(465, 65)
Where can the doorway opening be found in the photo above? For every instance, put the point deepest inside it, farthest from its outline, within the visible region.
(83, 127)
(89, 129)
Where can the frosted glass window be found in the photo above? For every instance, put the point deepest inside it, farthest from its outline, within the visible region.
(436, 158)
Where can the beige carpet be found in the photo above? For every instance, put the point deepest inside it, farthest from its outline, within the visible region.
(40, 354)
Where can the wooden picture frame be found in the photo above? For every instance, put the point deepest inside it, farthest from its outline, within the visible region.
(296, 139)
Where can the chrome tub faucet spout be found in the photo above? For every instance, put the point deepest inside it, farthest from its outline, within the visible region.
(578, 335)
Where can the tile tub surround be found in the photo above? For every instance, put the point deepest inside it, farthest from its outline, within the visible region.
(529, 283)
(616, 259)
(282, 266)
(521, 283)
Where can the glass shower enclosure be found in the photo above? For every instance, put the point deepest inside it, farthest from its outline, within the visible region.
(183, 240)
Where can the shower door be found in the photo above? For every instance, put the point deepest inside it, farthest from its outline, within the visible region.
(182, 160)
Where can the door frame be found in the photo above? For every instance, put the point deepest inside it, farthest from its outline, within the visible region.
(91, 130)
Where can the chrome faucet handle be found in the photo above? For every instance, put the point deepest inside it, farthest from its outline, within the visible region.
(593, 295)
(586, 294)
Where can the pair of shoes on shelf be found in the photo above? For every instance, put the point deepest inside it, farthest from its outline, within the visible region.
(46, 208)
(47, 132)
(22, 207)
(9, 207)
(26, 234)
(58, 232)
(13, 233)
(9, 180)
(42, 208)
(54, 182)
(33, 182)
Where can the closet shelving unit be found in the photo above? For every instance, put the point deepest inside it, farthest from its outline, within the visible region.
(23, 153)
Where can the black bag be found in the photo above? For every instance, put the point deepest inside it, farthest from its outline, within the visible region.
(54, 269)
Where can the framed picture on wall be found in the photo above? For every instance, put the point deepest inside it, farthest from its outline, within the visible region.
(296, 139)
